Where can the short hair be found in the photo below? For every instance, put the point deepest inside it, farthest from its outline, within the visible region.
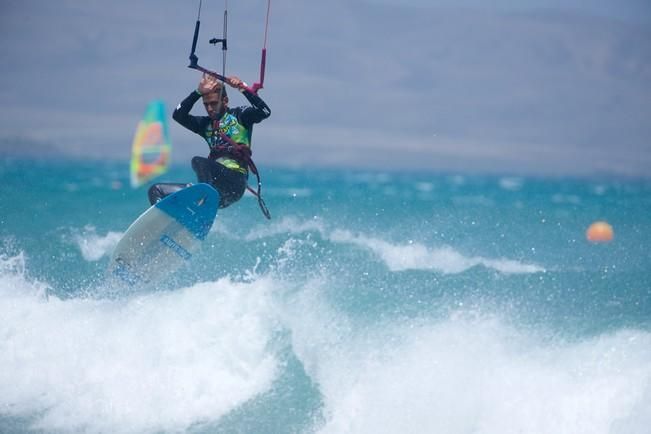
(220, 90)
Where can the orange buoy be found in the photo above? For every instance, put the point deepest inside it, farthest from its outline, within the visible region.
(600, 232)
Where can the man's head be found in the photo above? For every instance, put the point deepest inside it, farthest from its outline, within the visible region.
(215, 102)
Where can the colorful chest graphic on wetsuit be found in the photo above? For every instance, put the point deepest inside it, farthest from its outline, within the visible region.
(230, 126)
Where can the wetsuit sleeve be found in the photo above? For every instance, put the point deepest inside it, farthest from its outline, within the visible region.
(257, 112)
(182, 114)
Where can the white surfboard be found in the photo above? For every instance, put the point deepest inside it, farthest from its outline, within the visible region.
(165, 236)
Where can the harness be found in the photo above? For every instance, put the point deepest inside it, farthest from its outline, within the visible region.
(242, 154)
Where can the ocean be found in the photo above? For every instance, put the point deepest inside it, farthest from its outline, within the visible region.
(372, 302)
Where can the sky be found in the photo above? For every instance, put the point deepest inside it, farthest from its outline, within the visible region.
(559, 88)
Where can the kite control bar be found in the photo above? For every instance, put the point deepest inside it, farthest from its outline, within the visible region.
(194, 59)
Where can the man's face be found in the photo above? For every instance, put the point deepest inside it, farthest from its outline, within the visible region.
(214, 104)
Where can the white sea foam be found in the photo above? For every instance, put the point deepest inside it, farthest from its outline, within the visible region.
(470, 374)
(457, 180)
(287, 225)
(13, 274)
(397, 257)
(416, 256)
(425, 187)
(481, 378)
(572, 199)
(12, 266)
(511, 184)
(600, 189)
(223, 230)
(93, 246)
(159, 362)
(291, 192)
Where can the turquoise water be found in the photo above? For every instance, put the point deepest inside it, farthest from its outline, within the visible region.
(372, 302)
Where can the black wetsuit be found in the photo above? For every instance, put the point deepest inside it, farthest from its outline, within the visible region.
(227, 175)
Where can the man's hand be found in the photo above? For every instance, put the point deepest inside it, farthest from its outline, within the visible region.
(236, 82)
(208, 84)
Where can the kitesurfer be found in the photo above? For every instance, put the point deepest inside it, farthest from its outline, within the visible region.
(228, 134)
